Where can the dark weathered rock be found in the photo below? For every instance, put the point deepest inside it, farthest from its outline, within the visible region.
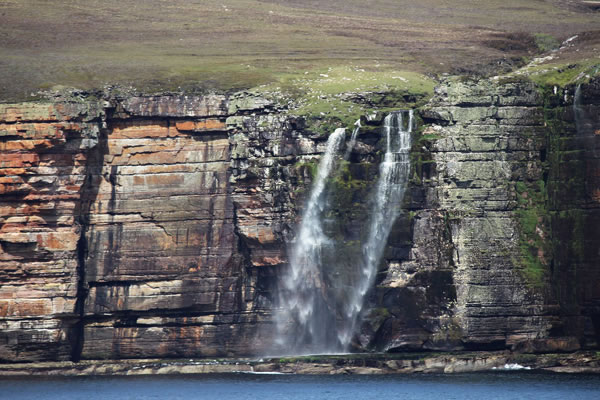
(157, 226)
(508, 185)
(365, 364)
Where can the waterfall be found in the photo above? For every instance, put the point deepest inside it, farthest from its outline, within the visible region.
(352, 142)
(578, 112)
(305, 320)
(583, 122)
(587, 126)
(393, 176)
(310, 318)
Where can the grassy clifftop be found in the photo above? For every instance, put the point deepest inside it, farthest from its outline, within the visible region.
(195, 45)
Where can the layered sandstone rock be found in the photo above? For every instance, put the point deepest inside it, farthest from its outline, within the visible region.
(160, 234)
(501, 256)
(158, 226)
(148, 226)
(44, 149)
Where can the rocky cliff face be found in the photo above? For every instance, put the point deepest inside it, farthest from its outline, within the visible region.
(503, 247)
(43, 166)
(157, 226)
(144, 227)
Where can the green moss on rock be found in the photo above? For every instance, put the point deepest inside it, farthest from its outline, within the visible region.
(534, 230)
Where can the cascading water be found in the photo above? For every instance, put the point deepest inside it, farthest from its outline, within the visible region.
(305, 321)
(352, 142)
(311, 318)
(393, 176)
(586, 123)
(583, 122)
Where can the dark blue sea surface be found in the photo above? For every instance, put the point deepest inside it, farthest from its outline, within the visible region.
(487, 386)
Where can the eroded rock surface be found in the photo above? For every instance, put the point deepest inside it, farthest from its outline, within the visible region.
(158, 226)
(500, 255)
(44, 150)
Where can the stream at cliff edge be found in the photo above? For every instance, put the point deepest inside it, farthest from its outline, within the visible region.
(492, 385)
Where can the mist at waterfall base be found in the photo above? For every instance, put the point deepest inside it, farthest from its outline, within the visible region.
(303, 293)
(319, 307)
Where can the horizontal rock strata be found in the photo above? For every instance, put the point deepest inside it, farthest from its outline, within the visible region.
(157, 226)
(367, 364)
(505, 179)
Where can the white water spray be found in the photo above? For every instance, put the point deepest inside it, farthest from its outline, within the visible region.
(583, 121)
(393, 177)
(305, 321)
(578, 112)
(352, 142)
(310, 318)
(586, 124)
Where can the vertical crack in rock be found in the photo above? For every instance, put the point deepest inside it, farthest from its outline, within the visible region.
(88, 194)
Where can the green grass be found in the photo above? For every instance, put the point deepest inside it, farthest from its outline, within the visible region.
(573, 63)
(195, 45)
(564, 74)
(328, 97)
(546, 42)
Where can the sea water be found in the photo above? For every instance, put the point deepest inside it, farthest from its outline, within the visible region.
(488, 386)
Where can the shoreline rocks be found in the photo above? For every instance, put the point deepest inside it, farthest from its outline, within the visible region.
(360, 364)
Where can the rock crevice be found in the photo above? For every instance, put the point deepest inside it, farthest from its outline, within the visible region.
(157, 226)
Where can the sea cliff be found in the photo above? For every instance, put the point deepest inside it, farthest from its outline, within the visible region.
(157, 226)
